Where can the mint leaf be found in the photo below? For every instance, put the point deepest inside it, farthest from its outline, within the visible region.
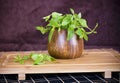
(50, 34)
(34, 56)
(22, 62)
(17, 58)
(79, 33)
(83, 22)
(42, 29)
(41, 58)
(70, 22)
(56, 14)
(66, 20)
(72, 11)
(84, 34)
(85, 37)
(26, 57)
(79, 15)
(54, 22)
(48, 58)
(70, 33)
(38, 60)
(47, 18)
(21, 59)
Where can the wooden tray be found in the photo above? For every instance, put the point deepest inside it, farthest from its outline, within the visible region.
(93, 60)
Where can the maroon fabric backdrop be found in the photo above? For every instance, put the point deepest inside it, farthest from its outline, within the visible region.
(18, 19)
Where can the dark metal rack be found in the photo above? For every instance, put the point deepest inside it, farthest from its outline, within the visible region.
(61, 78)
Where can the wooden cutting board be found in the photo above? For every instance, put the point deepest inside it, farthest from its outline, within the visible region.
(93, 60)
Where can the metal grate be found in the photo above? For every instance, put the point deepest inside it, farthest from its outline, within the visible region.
(61, 78)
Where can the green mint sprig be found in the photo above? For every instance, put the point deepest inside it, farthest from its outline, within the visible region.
(73, 23)
(37, 58)
(21, 59)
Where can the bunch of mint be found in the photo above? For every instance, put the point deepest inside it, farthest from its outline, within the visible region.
(36, 57)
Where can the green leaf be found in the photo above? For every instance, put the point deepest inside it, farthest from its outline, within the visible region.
(34, 56)
(41, 58)
(85, 37)
(52, 58)
(84, 34)
(22, 62)
(50, 34)
(83, 22)
(38, 58)
(72, 25)
(66, 20)
(56, 19)
(56, 14)
(26, 57)
(42, 29)
(72, 11)
(79, 33)
(79, 15)
(54, 22)
(48, 58)
(70, 22)
(47, 18)
(38, 61)
(17, 58)
(76, 24)
(70, 33)
(20, 59)
(76, 17)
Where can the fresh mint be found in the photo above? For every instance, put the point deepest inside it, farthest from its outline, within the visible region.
(21, 59)
(36, 58)
(73, 23)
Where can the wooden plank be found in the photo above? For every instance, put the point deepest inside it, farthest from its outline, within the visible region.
(93, 60)
(21, 76)
(108, 74)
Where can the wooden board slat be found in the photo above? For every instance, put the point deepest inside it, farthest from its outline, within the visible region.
(93, 60)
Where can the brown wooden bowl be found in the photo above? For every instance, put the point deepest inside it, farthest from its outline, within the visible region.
(60, 48)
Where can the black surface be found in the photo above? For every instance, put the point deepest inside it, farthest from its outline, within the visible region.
(60, 78)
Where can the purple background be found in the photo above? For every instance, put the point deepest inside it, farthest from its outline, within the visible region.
(18, 19)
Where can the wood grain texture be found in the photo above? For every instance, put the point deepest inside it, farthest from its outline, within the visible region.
(94, 60)
(60, 47)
